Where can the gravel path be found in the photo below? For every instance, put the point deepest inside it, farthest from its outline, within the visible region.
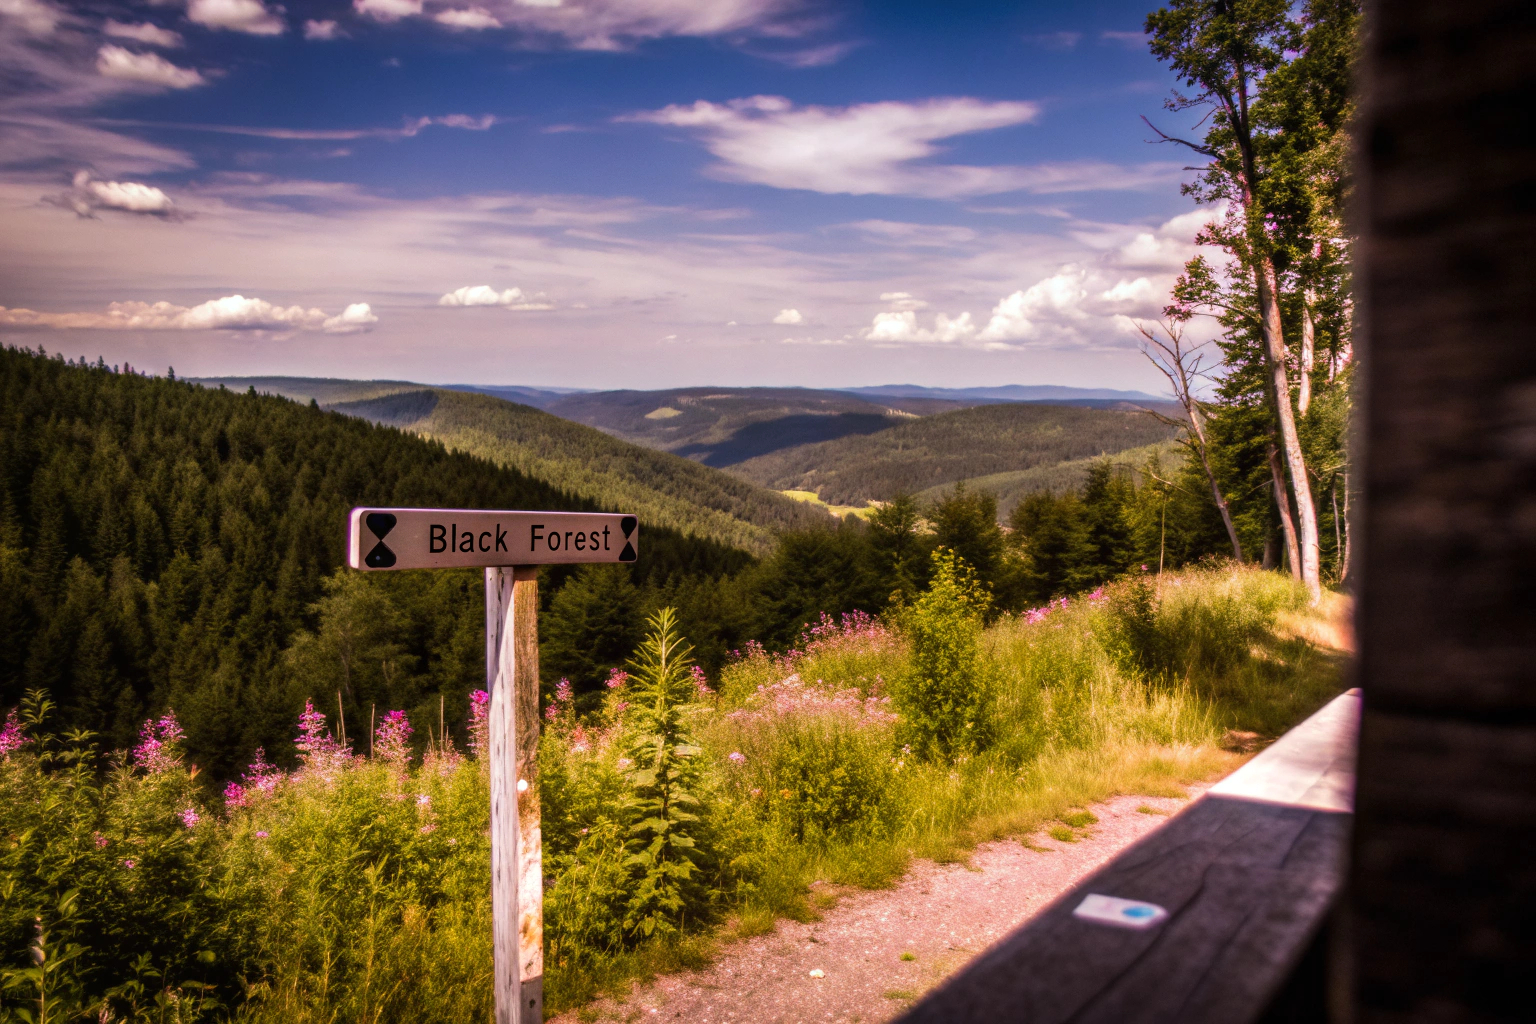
(877, 951)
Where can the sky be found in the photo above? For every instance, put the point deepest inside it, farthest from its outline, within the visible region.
(591, 193)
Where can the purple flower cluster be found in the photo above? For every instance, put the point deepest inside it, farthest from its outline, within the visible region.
(616, 679)
(260, 777)
(391, 740)
(318, 750)
(700, 683)
(11, 737)
(1040, 614)
(793, 699)
(563, 704)
(479, 723)
(159, 748)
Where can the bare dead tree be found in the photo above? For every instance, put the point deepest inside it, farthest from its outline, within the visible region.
(1184, 365)
(1283, 504)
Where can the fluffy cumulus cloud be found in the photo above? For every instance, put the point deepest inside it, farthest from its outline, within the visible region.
(151, 69)
(485, 295)
(901, 327)
(231, 313)
(879, 148)
(87, 195)
(250, 16)
(320, 31)
(145, 32)
(1091, 302)
(789, 316)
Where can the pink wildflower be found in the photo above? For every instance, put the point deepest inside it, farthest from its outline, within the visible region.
(11, 737)
(318, 750)
(190, 818)
(1097, 596)
(234, 795)
(423, 801)
(128, 864)
(479, 722)
(736, 757)
(391, 738)
(101, 841)
(261, 835)
(159, 748)
(261, 777)
(617, 678)
(700, 682)
(428, 828)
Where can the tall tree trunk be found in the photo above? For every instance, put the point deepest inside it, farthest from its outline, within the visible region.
(1308, 353)
(1283, 505)
(1271, 552)
(1295, 461)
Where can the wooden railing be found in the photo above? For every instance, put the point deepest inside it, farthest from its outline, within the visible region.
(1216, 917)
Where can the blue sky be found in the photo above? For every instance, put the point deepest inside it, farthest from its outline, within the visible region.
(589, 193)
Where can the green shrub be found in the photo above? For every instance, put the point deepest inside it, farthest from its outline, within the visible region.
(945, 697)
(663, 808)
(830, 783)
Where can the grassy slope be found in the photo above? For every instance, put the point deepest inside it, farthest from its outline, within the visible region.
(953, 446)
(660, 488)
(1013, 487)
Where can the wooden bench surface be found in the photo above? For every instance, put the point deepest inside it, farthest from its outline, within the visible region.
(1247, 875)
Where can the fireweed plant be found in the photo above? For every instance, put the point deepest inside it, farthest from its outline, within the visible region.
(356, 889)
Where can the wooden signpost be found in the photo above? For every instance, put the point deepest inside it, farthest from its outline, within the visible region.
(508, 545)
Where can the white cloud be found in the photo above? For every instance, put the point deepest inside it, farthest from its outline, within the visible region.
(231, 313)
(146, 68)
(473, 124)
(37, 17)
(1015, 317)
(88, 195)
(901, 327)
(902, 300)
(387, 10)
(789, 316)
(356, 318)
(864, 149)
(485, 295)
(249, 16)
(470, 18)
(319, 31)
(1140, 295)
(881, 148)
(148, 33)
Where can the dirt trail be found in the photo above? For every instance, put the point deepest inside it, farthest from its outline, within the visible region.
(938, 916)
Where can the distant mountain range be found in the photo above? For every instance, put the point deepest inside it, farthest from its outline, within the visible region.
(849, 445)
(1004, 393)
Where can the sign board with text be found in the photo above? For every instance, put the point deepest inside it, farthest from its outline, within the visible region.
(437, 538)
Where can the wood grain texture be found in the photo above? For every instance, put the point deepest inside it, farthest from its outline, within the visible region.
(1246, 885)
(500, 674)
(1443, 886)
(530, 902)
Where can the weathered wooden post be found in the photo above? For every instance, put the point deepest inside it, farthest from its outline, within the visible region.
(508, 545)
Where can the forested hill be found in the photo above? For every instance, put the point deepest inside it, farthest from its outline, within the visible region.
(659, 487)
(162, 544)
(952, 446)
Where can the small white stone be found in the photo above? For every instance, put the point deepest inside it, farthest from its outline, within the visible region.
(818, 973)
(522, 785)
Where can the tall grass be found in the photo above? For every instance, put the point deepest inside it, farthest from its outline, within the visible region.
(357, 889)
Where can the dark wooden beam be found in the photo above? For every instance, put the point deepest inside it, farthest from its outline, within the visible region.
(1443, 888)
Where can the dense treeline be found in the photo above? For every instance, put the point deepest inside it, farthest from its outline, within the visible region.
(663, 489)
(163, 544)
(939, 450)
